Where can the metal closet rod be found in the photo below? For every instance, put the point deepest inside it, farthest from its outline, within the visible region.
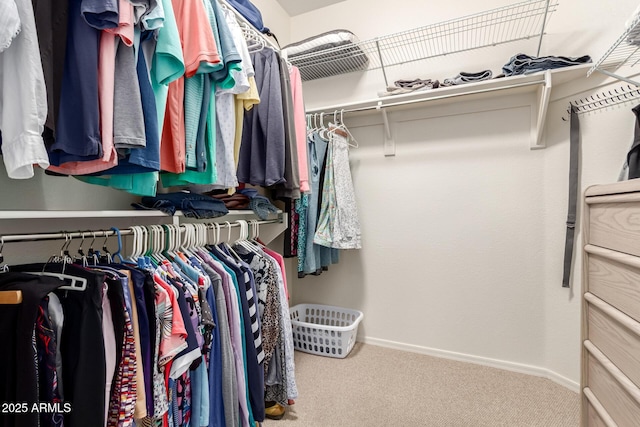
(102, 233)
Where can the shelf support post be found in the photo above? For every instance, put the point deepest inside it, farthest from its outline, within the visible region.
(389, 142)
(544, 23)
(539, 115)
(384, 72)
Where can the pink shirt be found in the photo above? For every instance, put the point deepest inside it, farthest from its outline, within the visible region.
(173, 339)
(301, 128)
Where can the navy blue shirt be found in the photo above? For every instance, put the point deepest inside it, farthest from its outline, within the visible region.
(78, 127)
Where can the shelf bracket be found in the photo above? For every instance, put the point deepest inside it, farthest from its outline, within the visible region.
(617, 76)
(539, 114)
(389, 142)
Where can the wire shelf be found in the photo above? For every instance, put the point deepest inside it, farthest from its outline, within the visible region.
(506, 24)
(625, 51)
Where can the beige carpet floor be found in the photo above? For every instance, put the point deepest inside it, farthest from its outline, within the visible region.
(380, 387)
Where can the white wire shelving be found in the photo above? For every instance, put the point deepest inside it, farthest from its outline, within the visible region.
(540, 84)
(625, 51)
(520, 21)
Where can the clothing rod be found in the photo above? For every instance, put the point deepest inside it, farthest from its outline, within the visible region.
(378, 104)
(14, 238)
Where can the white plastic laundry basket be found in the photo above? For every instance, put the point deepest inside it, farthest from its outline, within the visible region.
(324, 330)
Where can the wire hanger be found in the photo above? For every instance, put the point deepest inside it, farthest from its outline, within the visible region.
(92, 254)
(81, 257)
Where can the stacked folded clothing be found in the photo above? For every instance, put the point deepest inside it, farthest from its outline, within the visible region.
(232, 201)
(191, 204)
(525, 64)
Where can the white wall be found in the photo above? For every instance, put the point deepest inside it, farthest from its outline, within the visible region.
(276, 19)
(463, 230)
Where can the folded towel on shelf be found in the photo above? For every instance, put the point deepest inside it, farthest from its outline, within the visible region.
(465, 77)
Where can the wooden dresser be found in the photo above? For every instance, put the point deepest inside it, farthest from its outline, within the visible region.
(610, 378)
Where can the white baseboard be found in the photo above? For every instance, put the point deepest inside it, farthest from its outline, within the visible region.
(461, 357)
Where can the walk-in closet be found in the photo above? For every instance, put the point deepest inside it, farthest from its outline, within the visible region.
(323, 213)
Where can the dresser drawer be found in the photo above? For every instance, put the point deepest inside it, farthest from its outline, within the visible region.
(621, 344)
(623, 408)
(615, 226)
(614, 277)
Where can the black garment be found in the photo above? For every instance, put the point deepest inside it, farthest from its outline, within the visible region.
(290, 188)
(118, 308)
(18, 377)
(633, 156)
(81, 346)
(292, 231)
(51, 25)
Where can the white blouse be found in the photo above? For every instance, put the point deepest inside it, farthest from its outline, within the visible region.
(23, 99)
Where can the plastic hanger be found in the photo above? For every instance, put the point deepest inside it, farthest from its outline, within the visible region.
(227, 245)
(157, 244)
(74, 283)
(339, 125)
(118, 252)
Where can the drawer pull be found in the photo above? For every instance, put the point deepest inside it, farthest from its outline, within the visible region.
(622, 258)
(616, 315)
(602, 413)
(613, 198)
(616, 373)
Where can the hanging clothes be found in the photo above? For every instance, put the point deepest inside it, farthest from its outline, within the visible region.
(312, 257)
(261, 163)
(338, 225)
(198, 336)
(23, 107)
